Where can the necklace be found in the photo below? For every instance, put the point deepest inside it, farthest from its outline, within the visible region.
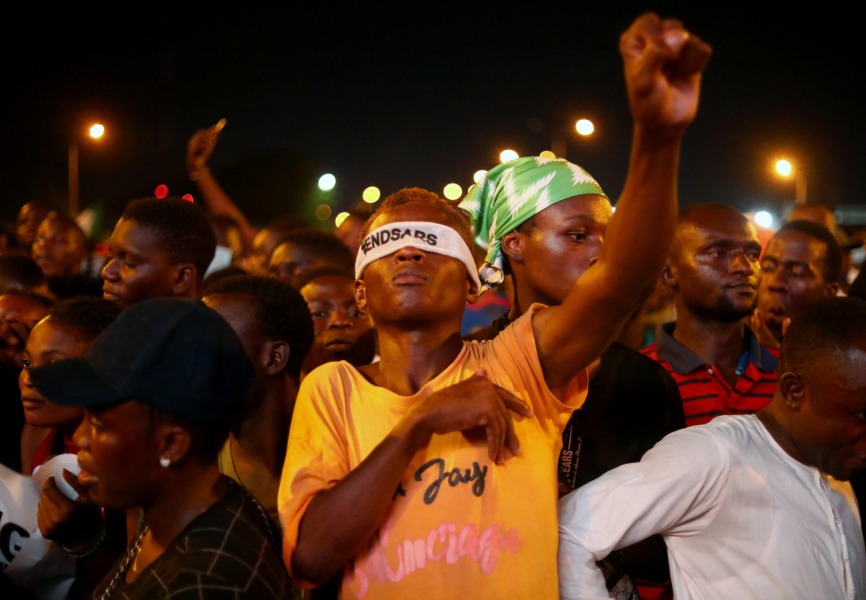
(232, 457)
(131, 556)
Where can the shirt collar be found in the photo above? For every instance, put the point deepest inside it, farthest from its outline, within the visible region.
(683, 360)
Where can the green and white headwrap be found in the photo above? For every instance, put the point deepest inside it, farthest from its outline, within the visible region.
(512, 193)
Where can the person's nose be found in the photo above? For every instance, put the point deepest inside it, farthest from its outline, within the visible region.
(81, 438)
(109, 271)
(24, 379)
(409, 253)
(340, 319)
(741, 263)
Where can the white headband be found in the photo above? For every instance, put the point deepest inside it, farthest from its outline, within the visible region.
(424, 235)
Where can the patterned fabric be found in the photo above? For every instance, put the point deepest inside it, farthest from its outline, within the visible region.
(512, 193)
(229, 551)
(705, 393)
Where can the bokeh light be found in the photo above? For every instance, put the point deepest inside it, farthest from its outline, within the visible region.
(161, 191)
(546, 154)
(96, 131)
(478, 175)
(323, 212)
(327, 182)
(371, 194)
(452, 191)
(784, 167)
(338, 220)
(584, 127)
(507, 155)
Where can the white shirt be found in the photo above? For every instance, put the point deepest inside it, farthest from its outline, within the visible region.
(741, 519)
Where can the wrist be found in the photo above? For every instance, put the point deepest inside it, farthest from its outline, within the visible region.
(198, 173)
(92, 546)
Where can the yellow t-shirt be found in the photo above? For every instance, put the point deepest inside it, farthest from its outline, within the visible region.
(459, 525)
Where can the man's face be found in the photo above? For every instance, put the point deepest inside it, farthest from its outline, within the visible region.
(342, 330)
(48, 342)
(412, 285)
(256, 261)
(713, 268)
(18, 316)
(290, 262)
(792, 279)
(58, 248)
(561, 243)
(28, 220)
(119, 453)
(137, 268)
(829, 430)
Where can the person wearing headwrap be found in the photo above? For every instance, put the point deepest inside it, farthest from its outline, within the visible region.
(512, 193)
(543, 224)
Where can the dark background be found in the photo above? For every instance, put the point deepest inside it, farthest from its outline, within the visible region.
(415, 95)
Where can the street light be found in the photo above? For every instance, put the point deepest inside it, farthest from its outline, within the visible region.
(786, 169)
(95, 131)
(559, 141)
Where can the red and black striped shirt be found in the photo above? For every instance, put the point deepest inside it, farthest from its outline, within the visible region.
(704, 392)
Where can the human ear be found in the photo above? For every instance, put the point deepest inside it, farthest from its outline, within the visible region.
(512, 246)
(277, 357)
(361, 294)
(174, 442)
(791, 386)
(669, 279)
(185, 279)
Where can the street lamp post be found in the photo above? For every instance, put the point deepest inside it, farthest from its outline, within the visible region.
(786, 169)
(95, 132)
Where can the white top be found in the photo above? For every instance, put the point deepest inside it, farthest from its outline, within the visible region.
(741, 518)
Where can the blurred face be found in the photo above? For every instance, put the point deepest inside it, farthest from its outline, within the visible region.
(349, 232)
(137, 268)
(48, 342)
(266, 240)
(290, 262)
(411, 284)
(558, 245)
(793, 278)
(59, 248)
(18, 315)
(713, 268)
(119, 455)
(343, 331)
(28, 220)
(829, 430)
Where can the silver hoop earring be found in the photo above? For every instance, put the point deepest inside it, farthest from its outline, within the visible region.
(165, 462)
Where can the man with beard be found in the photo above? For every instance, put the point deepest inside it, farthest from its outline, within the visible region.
(713, 272)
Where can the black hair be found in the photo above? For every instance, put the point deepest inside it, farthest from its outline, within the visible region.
(326, 245)
(88, 316)
(18, 271)
(183, 229)
(281, 312)
(826, 327)
(832, 256)
(457, 216)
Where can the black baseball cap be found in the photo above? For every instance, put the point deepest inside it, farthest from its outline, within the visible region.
(176, 355)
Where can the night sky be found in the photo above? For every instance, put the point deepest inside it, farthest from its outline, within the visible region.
(418, 95)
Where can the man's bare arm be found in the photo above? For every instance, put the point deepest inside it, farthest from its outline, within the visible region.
(663, 65)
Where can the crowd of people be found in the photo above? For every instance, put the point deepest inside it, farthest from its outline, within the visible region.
(279, 411)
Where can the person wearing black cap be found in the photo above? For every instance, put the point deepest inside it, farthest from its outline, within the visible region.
(161, 387)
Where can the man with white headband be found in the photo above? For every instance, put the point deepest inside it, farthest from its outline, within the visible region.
(431, 473)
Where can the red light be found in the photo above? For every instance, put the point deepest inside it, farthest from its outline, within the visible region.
(161, 191)
(188, 198)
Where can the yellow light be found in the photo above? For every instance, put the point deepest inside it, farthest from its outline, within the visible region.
(546, 154)
(323, 212)
(338, 220)
(507, 155)
(784, 168)
(96, 131)
(479, 174)
(371, 194)
(452, 191)
(584, 127)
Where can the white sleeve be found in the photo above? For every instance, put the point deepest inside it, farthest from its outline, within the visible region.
(674, 490)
